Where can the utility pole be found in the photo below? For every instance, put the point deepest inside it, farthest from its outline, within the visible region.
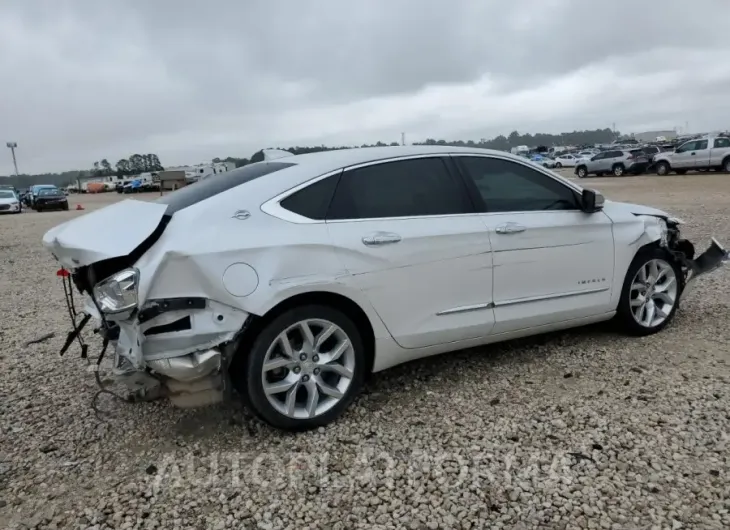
(403, 138)
(12, 146)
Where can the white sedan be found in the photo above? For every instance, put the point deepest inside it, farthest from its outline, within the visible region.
(566, 161)
(9, 201)
(296, 277)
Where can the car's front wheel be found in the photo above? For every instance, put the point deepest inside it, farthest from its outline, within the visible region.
(304, 368)
(662, 168)
(582, 172)
(651, 292)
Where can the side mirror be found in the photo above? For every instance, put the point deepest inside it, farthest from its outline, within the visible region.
(593, 158)
(591, 201)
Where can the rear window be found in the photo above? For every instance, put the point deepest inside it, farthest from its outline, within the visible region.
(207, 188)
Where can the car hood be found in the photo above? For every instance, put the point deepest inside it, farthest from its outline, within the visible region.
(636, 209)
(109, 232)
(8, 200)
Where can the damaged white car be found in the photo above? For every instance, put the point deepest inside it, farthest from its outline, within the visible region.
(292, 279)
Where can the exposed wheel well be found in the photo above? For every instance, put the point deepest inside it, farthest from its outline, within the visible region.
(256, 323)
(725, 161)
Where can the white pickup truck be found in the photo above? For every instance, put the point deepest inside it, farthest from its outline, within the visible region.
(709, 152)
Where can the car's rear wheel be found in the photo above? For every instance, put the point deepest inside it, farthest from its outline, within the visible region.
(558, 165)
(651, 292)
(304, 368)
(726, 165)
(582, 172)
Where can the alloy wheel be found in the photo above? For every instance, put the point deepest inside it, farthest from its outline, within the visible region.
(654, 292)
(308, 368)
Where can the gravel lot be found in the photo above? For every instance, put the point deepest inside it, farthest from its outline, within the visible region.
(580, 429)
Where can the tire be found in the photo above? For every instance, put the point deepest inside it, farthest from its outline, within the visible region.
(39, 210)
(680, 171)
(662, 169)
(582, 172)
(628, 313)
(558, 165)
(249, 377)
(618, 170)
(726, 165)
(65, 208)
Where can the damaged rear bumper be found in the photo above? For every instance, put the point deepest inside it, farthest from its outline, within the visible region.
(176, 348)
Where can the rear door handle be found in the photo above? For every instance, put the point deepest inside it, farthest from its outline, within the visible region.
(510, 228)
(379, 239)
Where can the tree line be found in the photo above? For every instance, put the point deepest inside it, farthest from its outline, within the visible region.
(137, 163)
(134, 165)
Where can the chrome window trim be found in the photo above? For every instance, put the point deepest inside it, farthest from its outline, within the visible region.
(273, 206)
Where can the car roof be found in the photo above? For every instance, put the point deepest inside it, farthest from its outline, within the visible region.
(325, 161)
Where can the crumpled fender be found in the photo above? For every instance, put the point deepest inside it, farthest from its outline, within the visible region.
(652, 230)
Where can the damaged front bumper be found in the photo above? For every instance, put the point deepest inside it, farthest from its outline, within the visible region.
(711, 259)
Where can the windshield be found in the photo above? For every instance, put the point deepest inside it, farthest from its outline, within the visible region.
(45, 192)
(6, 194)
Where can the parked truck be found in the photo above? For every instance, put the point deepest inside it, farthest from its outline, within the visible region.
(708, 152)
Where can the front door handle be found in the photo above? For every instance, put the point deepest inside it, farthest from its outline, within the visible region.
(510, 228)
(693, 154)
(378, 239)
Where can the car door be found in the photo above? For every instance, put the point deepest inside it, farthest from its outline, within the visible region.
(607, 161)
(700, 157)
(720, 149)
(552, 261)
(683, 157)
(595, 163)
(408, 235)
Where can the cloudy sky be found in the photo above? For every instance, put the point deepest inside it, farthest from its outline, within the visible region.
(191, 80)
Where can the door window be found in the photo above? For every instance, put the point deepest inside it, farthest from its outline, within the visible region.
(507, 186)
(700, 144)
(689, 146)
(403, 188)
(722, 142)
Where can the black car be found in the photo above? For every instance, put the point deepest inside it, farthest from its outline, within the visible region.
(50, 199)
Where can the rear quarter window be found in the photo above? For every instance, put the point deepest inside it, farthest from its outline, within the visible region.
(207, 188)
(313, 201)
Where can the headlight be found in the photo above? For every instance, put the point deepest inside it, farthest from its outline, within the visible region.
(118, 293)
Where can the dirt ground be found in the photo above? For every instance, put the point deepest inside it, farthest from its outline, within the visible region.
(581, 429)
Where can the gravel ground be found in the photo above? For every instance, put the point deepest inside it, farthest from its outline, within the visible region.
(581, 429)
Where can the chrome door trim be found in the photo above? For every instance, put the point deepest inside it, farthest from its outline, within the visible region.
(541, 298)
(465, 309)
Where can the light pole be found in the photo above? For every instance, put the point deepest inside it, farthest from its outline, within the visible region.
(12, 146)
